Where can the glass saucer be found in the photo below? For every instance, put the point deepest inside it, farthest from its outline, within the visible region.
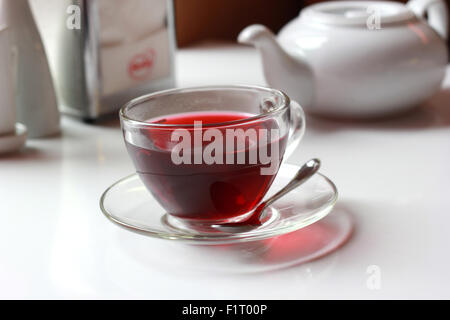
(128, 203)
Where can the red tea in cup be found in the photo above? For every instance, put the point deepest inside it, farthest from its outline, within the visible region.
(201, 190)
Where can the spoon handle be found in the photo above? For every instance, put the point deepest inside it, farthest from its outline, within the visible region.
(303, 174)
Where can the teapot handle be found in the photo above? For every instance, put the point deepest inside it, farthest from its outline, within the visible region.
(436, 11)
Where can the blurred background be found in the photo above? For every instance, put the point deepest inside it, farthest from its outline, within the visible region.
(198, 20)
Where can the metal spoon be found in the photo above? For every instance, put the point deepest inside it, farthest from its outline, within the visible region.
(303, 174)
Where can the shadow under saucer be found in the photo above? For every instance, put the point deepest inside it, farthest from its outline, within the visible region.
(317, 240)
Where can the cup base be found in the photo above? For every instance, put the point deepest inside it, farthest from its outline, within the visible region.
(219, 226)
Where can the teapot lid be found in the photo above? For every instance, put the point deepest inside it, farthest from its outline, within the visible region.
(356, 12)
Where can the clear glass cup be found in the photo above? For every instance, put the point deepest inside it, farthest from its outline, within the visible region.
(219, 168)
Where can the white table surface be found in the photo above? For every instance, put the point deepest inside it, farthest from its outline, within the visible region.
(393, 177)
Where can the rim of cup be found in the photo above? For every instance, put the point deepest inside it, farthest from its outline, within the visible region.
(281, 106)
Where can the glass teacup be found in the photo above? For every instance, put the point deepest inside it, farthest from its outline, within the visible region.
(209, 154)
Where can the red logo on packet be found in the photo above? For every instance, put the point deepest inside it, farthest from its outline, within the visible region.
(141, 65)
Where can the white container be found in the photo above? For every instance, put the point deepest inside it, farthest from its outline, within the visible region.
(12, 134)
(35, 97)
(357, 59)
(7, 106)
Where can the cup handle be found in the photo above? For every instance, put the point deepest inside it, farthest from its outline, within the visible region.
(436, 10)
(296, 129)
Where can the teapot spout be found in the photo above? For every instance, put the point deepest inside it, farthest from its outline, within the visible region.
(291, 75)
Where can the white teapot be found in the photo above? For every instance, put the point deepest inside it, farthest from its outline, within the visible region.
(357, 59)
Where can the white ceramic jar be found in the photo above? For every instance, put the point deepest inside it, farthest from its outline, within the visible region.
(12, 134)
(7, 106)
(35, 97)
